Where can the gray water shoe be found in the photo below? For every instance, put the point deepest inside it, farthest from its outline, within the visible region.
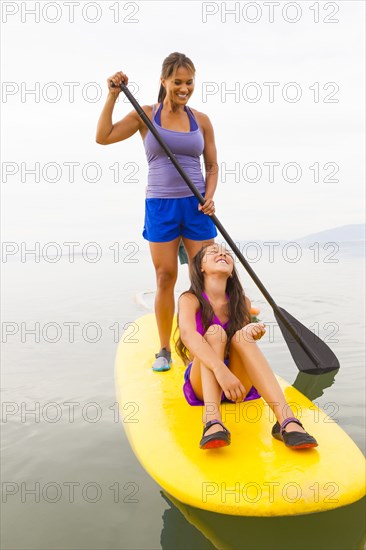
(162, 361)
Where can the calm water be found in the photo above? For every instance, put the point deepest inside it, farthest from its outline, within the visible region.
(70, 479)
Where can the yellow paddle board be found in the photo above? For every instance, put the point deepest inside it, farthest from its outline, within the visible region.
(254, 476)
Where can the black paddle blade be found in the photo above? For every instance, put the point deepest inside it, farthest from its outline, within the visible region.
(309, 352)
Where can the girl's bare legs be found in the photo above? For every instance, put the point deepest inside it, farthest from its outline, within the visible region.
(204, 382)
(249, 364)
(165, 260)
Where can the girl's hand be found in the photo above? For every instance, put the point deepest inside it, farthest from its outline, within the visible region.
(208, 207)
(230, 384)
(117, 79)
(254, 331)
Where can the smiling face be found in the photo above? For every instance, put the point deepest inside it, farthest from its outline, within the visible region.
(179, 87)
(217, 259)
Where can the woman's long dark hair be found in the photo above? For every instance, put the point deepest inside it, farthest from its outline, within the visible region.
(239, 316)
(170, 66)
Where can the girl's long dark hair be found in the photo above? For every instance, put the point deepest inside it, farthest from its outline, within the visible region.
(170, 66)
(239, 316)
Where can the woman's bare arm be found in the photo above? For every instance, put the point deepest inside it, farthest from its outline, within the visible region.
(210, 157)
(107, 132)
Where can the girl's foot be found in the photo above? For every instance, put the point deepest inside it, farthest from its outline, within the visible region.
(294, 427)
(214, 428)
(296, 438)
(218, 438)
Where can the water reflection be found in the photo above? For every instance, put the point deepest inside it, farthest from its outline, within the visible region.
(313, 385)
(178, 533)
(339, 529)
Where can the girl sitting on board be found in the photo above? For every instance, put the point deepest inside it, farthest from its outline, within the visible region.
(215, 311)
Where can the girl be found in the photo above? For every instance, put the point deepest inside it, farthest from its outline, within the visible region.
(172, 212)
(226, 363)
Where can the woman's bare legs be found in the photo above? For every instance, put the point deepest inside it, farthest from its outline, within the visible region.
(165, 260)
(192, 247)
(249, 364)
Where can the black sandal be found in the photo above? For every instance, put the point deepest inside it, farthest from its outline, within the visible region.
(294, 440)
(217, 439)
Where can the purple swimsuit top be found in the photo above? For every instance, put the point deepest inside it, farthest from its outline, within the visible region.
(164, 181)
(215, 321)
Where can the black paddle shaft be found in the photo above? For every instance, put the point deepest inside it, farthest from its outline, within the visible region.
(281, 315)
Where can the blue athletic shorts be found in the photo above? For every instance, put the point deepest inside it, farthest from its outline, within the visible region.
(167, 219)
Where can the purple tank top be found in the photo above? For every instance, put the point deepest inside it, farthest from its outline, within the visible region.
(164, 181)
(215, 321)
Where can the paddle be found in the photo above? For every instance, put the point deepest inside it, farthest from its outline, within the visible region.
(309, 352)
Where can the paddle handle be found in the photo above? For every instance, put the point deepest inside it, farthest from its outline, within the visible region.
(196, 193)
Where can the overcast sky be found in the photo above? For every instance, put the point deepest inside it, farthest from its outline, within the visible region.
(309, 51)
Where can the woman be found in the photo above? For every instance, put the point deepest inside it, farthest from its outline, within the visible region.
(226, 363)
(172, 212)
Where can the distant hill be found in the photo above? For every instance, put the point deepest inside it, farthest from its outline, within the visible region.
(345, 233)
